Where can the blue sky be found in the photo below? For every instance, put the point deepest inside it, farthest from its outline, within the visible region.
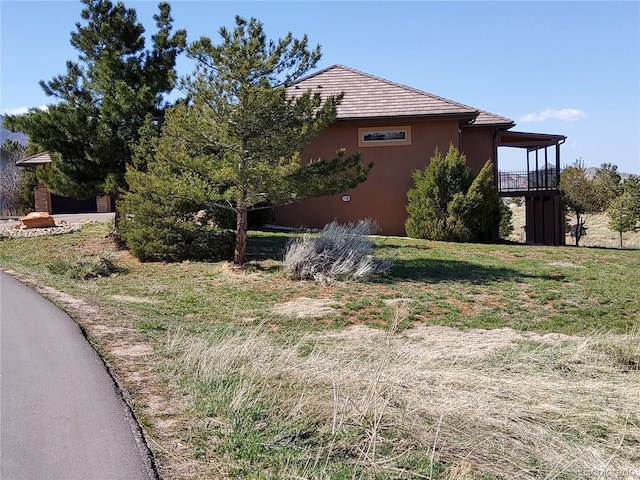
(570, 68)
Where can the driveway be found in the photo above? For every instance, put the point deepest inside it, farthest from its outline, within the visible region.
(61, 417)
(70, 218)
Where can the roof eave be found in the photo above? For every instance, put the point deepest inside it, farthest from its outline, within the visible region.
(498, 125)
(530, 139)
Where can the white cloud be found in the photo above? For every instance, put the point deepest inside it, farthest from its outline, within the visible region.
(20, 110)
(566, 115)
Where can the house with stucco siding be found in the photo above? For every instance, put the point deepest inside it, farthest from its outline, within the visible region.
(398, 128)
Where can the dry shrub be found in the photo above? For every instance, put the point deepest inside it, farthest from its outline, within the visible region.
(339, 251)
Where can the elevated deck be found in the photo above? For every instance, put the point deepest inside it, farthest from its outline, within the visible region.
(523, 183)
(539, 184)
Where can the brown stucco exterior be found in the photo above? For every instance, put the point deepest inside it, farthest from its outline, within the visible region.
(383, 197)
(478, 145)
(379, 109)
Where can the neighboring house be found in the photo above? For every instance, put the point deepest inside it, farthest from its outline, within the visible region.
(399, 128)
(46, 201)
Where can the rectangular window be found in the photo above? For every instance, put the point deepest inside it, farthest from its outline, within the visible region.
(384, 136)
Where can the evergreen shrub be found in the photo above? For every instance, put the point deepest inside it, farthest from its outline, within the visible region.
(171, 239)
(157, 223)
(449, 204)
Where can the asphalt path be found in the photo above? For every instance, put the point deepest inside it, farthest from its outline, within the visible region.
(61, 415)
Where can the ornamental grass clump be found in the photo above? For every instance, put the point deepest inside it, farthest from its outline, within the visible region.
(337, 252)
(82, 267)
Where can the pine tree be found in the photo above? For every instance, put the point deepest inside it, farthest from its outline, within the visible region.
(632, 185)
(578, 195)
(624, 210)
(168, 217)
(607, 185)
(235, 142)
(103, 98)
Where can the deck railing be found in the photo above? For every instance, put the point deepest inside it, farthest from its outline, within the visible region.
(528, 181)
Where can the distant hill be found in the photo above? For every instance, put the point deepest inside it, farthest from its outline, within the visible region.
(591, 172)
(5, 135)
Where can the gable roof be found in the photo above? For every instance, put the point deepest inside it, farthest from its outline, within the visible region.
(368, 96)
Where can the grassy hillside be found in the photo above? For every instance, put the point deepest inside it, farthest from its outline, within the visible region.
(598, 233)
(466, 362)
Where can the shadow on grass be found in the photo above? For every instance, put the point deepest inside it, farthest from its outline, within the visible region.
(268, 246)
(439, 270)
(271, 246)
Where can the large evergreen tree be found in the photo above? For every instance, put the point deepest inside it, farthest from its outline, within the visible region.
(168, 217)
(235, 142)
(103, 98)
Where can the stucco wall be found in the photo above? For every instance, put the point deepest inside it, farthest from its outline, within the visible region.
(383, 197)
(477, 145)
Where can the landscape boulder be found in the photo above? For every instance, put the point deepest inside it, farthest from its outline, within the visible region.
(37, 220)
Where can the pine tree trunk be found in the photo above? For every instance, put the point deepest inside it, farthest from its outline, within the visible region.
(620, 239)
(116, 224)
(578, 229)
(240, 253)
(116, 221)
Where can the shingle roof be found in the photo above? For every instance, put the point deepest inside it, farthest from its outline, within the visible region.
(368, 96)
(486, 118)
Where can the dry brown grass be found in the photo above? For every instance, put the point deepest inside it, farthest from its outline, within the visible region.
(304, 307)
(499, 402)
(599, 234)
